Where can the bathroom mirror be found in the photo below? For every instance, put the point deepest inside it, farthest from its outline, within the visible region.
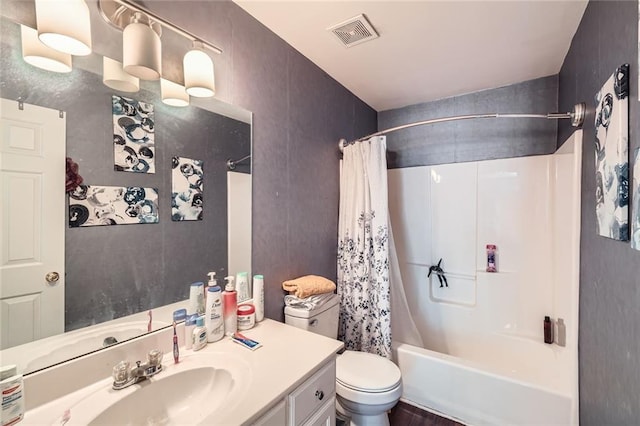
(119, 279)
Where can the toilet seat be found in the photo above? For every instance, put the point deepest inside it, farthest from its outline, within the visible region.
(367, 378)
(367, 372)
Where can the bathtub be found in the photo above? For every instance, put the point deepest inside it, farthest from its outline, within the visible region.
(482, 359)
(490, 391)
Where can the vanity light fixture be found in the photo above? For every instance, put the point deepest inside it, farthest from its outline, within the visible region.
(115, 77)
(64, 25)
(173, 94)
(141, 48)
(199, 79)
(35, 53)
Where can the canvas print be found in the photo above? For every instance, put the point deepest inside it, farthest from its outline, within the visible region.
(93, 205)
(133, 135)
(612, 158)
(635, 211)
(186, 181)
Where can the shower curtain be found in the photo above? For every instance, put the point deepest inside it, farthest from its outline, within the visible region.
(369, 280)
(363, 249)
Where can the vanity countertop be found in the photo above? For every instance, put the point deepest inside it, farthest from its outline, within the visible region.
(288, 356)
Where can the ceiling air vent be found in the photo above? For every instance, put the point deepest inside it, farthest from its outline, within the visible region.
(354, 31)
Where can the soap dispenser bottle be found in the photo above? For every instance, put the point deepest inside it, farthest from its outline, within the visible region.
(212, 279)
(213, 319)
(230, 307)
(212, 283)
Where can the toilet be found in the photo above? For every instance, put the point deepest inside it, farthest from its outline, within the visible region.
(367, 385)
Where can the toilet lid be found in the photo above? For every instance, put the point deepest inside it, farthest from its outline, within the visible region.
(366, 372)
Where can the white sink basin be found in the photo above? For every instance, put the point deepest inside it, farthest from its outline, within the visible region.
(184, 393)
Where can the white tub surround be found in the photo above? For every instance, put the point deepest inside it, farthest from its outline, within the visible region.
(288, 359)
(483, 334)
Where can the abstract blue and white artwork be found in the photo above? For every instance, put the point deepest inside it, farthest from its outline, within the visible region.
(612, 156)
(93, 205)
(186, 182)
(133, 135)
(635, 210)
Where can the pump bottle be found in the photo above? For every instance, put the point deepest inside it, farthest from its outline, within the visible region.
(230, 307)
(213, 319)
(212, 283)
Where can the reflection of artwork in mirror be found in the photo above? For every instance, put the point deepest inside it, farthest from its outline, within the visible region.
(133, 135)
(186, 196)
(635, 211)
(106, 272)
(92, 205)
(612, 159)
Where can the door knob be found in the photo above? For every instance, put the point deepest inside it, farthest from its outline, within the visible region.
(52, 277)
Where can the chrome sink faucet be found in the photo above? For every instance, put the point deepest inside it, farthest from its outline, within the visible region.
(124, 375)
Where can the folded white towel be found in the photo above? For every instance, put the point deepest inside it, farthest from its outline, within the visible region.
(308, 303)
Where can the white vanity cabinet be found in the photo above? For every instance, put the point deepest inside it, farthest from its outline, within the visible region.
(276, 416)
(290, 380)
(310, 404)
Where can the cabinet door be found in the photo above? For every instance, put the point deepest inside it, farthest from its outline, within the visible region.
(312, 394)
(325, 416)
(277, 416)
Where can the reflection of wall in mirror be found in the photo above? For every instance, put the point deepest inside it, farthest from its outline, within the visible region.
(116, 271)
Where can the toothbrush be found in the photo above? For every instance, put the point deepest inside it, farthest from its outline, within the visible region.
(176, 352)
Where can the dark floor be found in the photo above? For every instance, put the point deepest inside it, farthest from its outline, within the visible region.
(407, 415)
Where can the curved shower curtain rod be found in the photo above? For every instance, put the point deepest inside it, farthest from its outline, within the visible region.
(231, 164)
(576, 116)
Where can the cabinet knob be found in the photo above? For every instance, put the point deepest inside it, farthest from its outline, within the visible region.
(319, 395)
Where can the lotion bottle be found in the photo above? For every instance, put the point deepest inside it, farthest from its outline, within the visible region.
(258, 296)
(196, 298)
(242, 286)
(212, 282)
(230, 307)
(213, 319)
(199, 334)
(189, 325)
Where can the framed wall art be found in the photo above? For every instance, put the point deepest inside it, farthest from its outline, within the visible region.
(133, 135)
(94, 205)
(187, 186)
(612, 156)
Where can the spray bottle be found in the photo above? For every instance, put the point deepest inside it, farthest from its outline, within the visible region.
(230, 307)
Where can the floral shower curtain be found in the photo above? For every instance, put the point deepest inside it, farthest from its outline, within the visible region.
(363, 249)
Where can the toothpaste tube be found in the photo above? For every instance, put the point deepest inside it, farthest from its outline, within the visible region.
(245, 341)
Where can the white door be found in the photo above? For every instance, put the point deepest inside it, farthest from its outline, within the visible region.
(32, 223)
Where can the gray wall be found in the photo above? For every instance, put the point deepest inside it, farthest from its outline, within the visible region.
(300, 113)
(609, 345)
(112, 271)
(472, 140)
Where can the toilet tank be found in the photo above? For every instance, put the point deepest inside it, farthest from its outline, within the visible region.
(321, 320)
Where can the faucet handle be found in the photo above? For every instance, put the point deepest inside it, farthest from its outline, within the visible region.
(120, 373)
(154, 357)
